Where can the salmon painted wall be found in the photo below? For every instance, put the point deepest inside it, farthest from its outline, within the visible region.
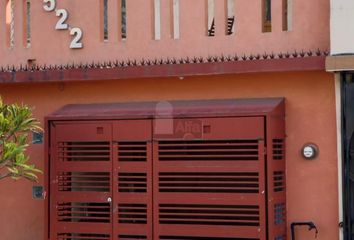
(309, 31)
(312, 190)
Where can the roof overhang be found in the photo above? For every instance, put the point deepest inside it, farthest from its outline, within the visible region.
(166, 68)
(340, 63)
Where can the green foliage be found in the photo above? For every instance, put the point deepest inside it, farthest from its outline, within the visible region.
(16, 122)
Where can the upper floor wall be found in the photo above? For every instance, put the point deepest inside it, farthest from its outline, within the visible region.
(342, 28)
(33, 31)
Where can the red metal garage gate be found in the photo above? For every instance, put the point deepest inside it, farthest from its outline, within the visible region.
(219, 175)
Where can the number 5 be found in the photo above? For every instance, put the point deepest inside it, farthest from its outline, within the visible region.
(49, 5)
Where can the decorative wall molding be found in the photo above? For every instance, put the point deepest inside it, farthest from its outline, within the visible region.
(168, 67)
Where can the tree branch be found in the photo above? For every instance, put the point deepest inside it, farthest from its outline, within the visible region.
(4, 164)
(5, 176)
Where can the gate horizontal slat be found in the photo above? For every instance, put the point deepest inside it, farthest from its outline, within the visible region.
(86, 167)
(205, 198)
(127, 167)
(74, 227)
(133, 197)
(210, 231)
(82, 197)
(83, 131)
(212, 166)
(133, 229)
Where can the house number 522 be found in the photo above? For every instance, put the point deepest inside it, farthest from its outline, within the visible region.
(49, 6)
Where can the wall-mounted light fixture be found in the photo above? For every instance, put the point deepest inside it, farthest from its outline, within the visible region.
(309, 151)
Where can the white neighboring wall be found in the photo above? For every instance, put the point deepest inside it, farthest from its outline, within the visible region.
(342, 27)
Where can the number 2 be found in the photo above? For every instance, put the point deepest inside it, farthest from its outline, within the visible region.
(77, 33)
(63, 14)
(49, 5)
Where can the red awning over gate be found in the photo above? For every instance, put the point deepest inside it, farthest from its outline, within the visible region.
(186, 108)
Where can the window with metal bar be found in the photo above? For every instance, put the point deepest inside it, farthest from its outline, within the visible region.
(266, 15)
(157, 23)
(27, 24)
(211, 18)
(230, 23)
(286, 15)
(175, 10)
(123, 19)
(10, 23)
(104, 19)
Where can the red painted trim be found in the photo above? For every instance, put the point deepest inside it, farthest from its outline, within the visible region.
(167, 70)
(46, 178)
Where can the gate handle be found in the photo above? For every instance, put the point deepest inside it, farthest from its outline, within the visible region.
(109, 199)
(311, 226)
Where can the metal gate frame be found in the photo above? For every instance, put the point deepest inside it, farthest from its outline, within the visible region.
(271, 109)
(187, 200)
(347, 129)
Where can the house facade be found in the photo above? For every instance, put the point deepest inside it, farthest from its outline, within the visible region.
(203, 119)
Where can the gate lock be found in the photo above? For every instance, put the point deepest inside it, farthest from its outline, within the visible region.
(311, 226)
